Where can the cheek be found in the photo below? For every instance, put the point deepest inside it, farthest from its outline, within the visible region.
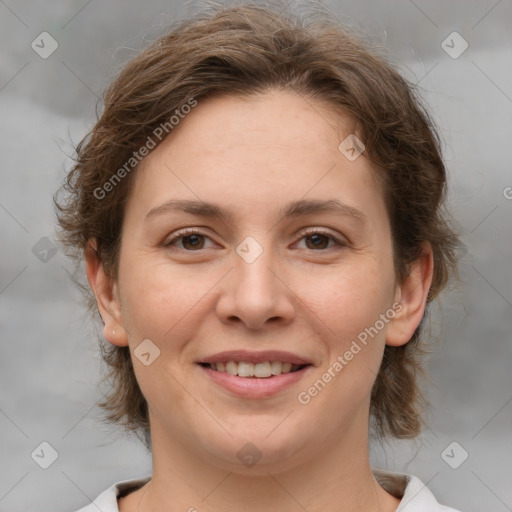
(346, 310)
(347, 307)
(348, 300)
(161, 302)
(155, 297)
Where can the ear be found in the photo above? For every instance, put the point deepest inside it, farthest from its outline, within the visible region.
(412, 295)
(106, 292)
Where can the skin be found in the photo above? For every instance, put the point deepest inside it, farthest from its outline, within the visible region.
(253, 156)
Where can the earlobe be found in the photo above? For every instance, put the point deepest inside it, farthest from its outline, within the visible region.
(107, 297)
(412, 295)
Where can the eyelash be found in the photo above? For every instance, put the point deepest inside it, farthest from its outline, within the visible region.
(307, 232)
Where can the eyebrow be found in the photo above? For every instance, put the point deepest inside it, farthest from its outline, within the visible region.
(294, 209)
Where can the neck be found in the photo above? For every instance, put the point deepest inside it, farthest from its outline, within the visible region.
(338, 478)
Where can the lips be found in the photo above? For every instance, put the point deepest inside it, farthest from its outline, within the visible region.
(247, 374)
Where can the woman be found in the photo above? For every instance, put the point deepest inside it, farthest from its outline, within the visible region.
(260, 211)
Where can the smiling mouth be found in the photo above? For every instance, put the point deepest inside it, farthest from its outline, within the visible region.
(261, 370)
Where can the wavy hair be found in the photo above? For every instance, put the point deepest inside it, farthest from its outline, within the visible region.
(245, 50)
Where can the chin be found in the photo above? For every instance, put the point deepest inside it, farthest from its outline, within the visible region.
(261, 453)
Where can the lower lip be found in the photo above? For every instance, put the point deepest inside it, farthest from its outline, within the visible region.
(255, 387)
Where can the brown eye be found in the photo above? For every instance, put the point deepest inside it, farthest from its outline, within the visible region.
(318, 241)
(189, 240)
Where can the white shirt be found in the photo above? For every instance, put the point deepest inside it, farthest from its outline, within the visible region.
(415, 497)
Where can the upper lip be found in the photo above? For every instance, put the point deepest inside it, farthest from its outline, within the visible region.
(255, 357)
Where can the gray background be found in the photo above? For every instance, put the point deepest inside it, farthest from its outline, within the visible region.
(50, 365)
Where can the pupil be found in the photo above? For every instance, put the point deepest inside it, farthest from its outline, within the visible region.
(193, 240)
(317, 240)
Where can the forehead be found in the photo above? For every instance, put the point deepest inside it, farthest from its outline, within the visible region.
(276, 117)
(263, 148)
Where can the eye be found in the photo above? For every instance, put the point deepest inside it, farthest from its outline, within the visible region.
(317, 239)
(191, 240)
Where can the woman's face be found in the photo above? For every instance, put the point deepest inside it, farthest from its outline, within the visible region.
(249, 231)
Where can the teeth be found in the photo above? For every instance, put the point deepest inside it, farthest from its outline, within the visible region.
(278, 367)
(231, 367)
(245, 369)
(262, 370)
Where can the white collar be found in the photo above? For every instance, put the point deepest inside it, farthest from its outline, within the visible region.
(414, 494)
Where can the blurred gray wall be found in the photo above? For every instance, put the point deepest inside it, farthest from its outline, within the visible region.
(50, 365)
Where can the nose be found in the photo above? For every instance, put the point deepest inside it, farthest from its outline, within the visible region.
(256, 293)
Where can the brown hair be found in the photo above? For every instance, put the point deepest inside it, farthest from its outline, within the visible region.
(246, 50)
